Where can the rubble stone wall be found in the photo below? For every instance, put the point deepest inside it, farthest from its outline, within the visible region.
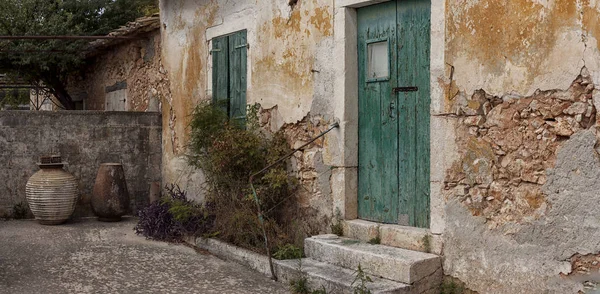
(308, 165)
(507, 144)
(521, 185)
(133, 66)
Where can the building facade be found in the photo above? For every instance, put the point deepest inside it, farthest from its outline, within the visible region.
(470, 124)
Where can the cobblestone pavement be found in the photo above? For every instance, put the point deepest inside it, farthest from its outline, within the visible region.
(87, 256)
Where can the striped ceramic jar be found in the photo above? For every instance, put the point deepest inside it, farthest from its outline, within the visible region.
(52, 194)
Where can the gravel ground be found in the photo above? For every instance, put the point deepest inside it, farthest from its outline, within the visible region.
(87, 256)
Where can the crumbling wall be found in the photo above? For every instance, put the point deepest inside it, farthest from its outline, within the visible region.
(314, 194)
(84, 139)
(508, 144)
(513, 176)
(133, 66)
(537, 256)
(289, 75)
(521, 98)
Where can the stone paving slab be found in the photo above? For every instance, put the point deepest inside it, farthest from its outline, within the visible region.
(87, 256)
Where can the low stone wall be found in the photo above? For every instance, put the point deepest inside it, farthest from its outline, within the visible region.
(84, 139)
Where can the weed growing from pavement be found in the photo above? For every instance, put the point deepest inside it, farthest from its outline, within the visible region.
(359, 285)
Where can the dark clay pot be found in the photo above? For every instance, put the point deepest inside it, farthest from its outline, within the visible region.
(110, 199)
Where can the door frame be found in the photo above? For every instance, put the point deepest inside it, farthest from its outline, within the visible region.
(344, 181)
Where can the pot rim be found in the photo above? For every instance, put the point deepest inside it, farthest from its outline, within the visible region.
(51, 165)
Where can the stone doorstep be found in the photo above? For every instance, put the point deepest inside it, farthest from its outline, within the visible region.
(335, 279)
(410, 238)
(405, 266)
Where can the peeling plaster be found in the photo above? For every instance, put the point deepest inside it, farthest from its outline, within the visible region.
(285, 70)
(509, 49)
(520, 45)
(289, 70)
(534, 256)
(130, 66)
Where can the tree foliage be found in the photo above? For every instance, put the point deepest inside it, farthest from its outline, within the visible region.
(13, 97)
(51, 61)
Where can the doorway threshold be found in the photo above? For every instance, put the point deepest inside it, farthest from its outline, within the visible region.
(411, 238)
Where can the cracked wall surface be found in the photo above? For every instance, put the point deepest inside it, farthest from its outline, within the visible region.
(521, 45)
(314, 193)
(520, 95)
(520, 102)
(289, 75)
(509, 144)
(533, 257)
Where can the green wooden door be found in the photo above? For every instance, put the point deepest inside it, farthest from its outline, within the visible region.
(394, 99)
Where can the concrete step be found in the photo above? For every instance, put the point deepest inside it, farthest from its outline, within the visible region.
(410, 267)
(333, 279)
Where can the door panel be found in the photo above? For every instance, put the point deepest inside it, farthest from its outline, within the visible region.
(393, 169)
(413, 70)
(378, 167)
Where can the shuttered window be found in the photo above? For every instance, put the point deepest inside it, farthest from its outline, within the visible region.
(229, 55)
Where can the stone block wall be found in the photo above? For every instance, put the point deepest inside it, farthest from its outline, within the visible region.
(84, 139)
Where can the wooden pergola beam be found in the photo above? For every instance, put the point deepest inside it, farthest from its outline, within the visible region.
(68, 38)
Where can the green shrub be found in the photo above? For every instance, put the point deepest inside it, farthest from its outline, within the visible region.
(299, 286)
(228, 155)
(427, 243)
(375, 241)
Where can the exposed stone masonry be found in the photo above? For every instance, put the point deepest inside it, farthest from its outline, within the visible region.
(507, 144)
(314, 193)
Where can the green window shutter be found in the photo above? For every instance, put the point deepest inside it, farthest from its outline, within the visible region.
(238, 48)
(220, 74)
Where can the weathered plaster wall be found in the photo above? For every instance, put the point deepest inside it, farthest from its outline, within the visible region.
(184, 56)
(290, 73)
(520, 103)
(533, 257)
(521, 45)
(84, 139)
(134, 66)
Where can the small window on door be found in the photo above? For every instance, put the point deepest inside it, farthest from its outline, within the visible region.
(229, 55)
(378, 62)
